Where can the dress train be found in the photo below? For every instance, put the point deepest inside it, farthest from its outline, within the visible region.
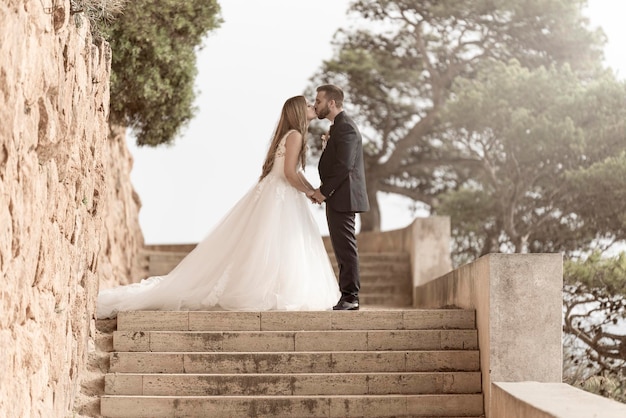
(266, 254)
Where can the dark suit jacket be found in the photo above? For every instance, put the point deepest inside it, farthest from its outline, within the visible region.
(341, 168)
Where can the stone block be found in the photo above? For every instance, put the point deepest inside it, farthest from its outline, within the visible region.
(131, 341)
(146, 362)
(404, 340)
(363, 320)
(369, 361)
(258, 341)
(295, 321)
(368, 406)
(330, 341)
(126, 384)
(186, 341)
(550, 400)
(224, 321)
(439, 319)
(462, 405)
(445, 360)
(153, 321)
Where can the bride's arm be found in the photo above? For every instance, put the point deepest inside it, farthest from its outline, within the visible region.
(293, 144)
(304, 180)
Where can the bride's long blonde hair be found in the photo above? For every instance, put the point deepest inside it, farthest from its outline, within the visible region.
(293, 116)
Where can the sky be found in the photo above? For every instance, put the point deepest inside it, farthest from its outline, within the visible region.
(263, 53)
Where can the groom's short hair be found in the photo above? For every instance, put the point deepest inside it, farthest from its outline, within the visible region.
(332, 92)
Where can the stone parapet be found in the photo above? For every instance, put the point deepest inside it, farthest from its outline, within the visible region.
(550, 400)
(518, 303)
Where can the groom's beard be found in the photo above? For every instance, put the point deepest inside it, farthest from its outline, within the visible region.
(322, 113)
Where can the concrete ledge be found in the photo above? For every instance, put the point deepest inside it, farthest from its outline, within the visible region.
(518, 301)
(550, 400)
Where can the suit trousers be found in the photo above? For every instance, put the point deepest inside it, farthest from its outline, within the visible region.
(341, 227)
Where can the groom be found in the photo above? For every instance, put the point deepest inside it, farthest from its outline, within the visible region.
(343, 189)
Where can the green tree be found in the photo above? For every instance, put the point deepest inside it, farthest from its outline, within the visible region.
(533, 161)
(399, 66)
(499, 114)
(153, 68)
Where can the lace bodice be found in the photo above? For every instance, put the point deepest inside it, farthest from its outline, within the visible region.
(282, 148)
(279, 158)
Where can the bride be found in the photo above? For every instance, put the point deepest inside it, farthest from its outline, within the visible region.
(265, 254)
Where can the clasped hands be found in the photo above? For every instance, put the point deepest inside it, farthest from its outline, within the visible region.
(315, 196)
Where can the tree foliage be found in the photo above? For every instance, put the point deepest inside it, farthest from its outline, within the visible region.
(153, 69)
(499, 114)
(533, 154)
(399, 66)
(536, 162)
(595, 314)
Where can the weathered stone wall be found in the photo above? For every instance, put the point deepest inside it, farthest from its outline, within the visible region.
(68, 213)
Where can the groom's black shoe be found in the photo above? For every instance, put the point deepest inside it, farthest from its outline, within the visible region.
(344, 305)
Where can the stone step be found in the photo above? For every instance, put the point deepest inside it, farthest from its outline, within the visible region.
(370, 257)
(298, 362)
(378, 263)
(398, 267)
(292, 384)
(386, 297)
(160, 267)
(384, 287)
(364, 257)
(161, 263)
(375, 319)
(342, 406)
(400, 261)
(383, 277)
(400, 272)
(264, 341)
(370, 363)
(176, 248)
(391, 300)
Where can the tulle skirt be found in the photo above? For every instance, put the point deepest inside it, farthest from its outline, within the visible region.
(266, 254)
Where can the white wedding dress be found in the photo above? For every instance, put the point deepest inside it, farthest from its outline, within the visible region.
(265, 254)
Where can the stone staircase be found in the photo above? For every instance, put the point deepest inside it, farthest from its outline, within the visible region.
(386, 360)
(385, 277)
(368, 363)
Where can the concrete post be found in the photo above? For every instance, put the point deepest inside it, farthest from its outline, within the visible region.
(518, 302)
(429, 247)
